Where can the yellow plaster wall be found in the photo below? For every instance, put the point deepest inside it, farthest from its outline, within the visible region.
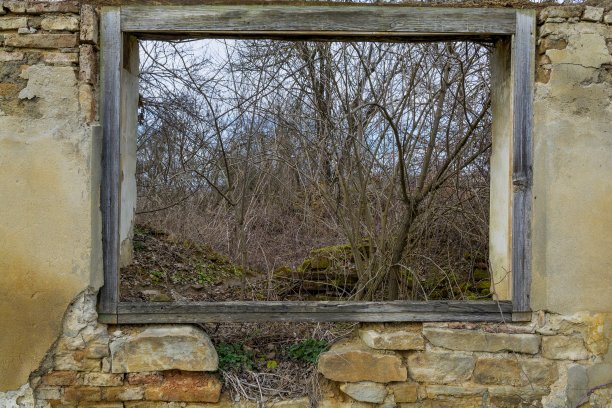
(50, 240)
(572, 212)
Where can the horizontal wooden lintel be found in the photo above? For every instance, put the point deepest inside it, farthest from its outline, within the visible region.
(307, 19)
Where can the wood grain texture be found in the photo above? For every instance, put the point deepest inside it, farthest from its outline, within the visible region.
(322, 19)
(111, 51)
(523, 65)
(198, 312)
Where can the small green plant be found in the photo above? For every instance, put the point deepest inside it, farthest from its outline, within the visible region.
(307, 350)
(157, 276)
(233, 356)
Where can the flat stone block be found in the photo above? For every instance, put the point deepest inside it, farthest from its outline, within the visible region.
(164, 348)
(393, 340)
(348, 364)
(41, 40)
(365, 391)
(440, 368)
(405, 392)
(472, 340)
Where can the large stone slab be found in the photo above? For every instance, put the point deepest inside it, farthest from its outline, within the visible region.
(350, 363)
(473, 340)
(164, 348)
(440, 368)
(365, 391)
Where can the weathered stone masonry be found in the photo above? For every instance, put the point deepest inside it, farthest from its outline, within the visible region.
(562, 358)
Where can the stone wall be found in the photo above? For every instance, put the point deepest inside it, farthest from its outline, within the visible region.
(50, 252)
(553, 361)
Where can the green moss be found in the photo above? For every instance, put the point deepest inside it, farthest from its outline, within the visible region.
(481, 274)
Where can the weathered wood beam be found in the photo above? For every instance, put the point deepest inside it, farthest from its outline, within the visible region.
(324, 20)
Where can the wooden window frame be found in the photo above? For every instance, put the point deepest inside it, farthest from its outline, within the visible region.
(513, 32)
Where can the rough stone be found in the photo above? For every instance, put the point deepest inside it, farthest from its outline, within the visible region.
(60, 58)
(292, 403)
(11, 56)
(608, 17)
(102, 379)
(144, 378)
(560, 12)
(493, 371)
(13, 23)
(129, 393)
(594, 14)
(365, 391)
(78, 394)
(164, 348)
(529, 391)
(434, 391)
(60, 23)
(17, 7)
(39, 7)
(87, 103)
(440, 368)
(59, 378)
(564, 348)
(348, 363)
(41, 40)
(538, 372)
(186, 387)
(471, 340)
(577, 383)
(75, 361)
(405, 392)
(46, 392)
(88, 64)
(393, 340)
(89, 24)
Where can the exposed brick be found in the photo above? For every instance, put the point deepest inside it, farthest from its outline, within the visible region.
(144, 378)
(13, 23)
(185, 386)
(87, 64)
(39, 7)
(89, 24)
(102, 379)
(60, 58)
(60, 23)
(78, 394)
(46, 392)
(41, 40)
(59, 378)
(11, 56)
(76, 361)
(128, 393)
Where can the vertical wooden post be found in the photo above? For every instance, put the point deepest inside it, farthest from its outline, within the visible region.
(523, 65)
(110, 64)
